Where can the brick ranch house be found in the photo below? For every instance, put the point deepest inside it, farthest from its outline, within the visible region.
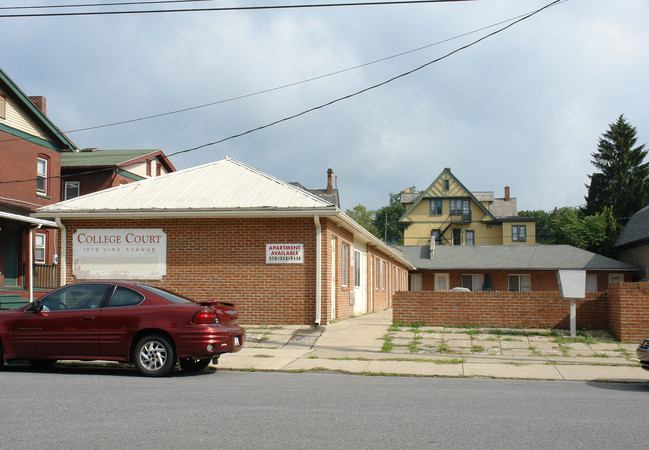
(517, 286)
(228, 231)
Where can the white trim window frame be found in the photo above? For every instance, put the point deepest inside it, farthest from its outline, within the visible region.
(344, 265)
(72, 187)
(357, 268)
(40, 244)
(519, 282)
(41, 176)
(473, 281)
(519, 233)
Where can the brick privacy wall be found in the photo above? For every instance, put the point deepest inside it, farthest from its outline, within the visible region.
(499, 309)
(226, 259)
(628, 310)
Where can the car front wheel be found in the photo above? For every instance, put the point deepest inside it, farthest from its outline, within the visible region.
(191, 365)
(154, 356)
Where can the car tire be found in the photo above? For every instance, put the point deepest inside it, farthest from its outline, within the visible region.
(42, 363)
(191, 365)
(154, 356)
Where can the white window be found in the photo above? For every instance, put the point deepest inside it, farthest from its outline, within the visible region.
(442, 281)
(377, 269)
(615, 278)
(520, 283)
(3, 107)
(591, 282)
(41, 176)
(470, 237)
(357, 268)
(384, 273)
(473, 281)
(519, 233)
(39, 248)
(72, 189)
(415, 281)
(344, 264)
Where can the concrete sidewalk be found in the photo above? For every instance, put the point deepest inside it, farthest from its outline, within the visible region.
(358, 346)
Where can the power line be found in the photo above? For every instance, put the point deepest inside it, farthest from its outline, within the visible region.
(296, 83)
(226, 8)
(375, 86)
(354, 94)
(97, 5)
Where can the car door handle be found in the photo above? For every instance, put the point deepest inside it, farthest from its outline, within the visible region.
(88, 318)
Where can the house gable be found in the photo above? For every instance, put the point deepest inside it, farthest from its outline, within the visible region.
(24, 120)
(445, 186)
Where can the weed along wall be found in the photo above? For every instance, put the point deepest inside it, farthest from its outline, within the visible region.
(499, 309)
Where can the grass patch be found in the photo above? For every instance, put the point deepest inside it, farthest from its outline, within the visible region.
(449, 361)
(600, 355)
(413, 347)
(515, 363)
(473, 332)
(442, 348)
(575, 340)
(263, 356)
(477, 349)
(387, 343)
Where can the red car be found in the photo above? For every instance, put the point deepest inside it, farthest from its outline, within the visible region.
(120, 321)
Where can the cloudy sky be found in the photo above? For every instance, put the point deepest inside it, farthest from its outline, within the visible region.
(524, 107)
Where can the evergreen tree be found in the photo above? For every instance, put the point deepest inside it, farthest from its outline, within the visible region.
(623, 184)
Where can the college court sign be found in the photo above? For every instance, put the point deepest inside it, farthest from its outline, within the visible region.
(123, 254)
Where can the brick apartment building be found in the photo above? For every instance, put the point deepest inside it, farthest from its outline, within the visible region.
(30, 148)
(228, 231)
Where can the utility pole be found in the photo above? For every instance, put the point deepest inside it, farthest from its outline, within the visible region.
(385, 238)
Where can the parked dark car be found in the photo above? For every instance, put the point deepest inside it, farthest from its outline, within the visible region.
(120, 321)
(642, 352)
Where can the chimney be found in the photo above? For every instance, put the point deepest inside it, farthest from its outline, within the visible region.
(40, 102)
(330, 174)
(447, 168)
(507, 197)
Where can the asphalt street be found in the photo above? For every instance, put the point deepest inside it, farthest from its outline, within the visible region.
(106, 407)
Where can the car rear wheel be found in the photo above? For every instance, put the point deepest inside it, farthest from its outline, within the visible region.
(42, 363)
(192, 365)
(154, 356)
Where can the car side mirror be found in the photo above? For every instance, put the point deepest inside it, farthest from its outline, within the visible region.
(38, 306)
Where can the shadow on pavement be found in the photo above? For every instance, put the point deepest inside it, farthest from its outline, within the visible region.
(118, 370)
(621, 385)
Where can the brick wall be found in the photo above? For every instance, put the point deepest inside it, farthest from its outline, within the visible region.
(629, 310)
(499, 309)
(226, 259)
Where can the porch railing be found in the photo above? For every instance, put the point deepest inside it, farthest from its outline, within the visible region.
(45, 276)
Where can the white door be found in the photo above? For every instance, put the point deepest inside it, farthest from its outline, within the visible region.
(442, 281)
(360, 282)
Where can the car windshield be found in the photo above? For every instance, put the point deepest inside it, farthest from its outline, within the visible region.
(168, 295)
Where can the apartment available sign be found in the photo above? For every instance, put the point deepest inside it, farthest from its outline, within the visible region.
(123, 254)
(284, 253)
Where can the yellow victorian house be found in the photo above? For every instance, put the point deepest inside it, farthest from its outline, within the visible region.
(449, 214)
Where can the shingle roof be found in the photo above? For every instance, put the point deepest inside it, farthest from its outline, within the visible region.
(102, 157)
(636, 230)
(222, 186)
(510, 257)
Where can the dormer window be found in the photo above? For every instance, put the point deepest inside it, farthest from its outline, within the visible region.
(446, 184)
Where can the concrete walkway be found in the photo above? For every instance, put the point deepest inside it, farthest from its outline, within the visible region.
(358, 346)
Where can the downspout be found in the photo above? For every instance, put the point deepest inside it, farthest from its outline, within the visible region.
(64, 250)
(30, 263)
(318, 270)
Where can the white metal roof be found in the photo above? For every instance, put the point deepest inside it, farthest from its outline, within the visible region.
(225, 186)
